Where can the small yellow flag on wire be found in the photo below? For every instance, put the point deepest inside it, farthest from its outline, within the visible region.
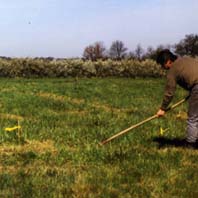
(12, 128)
(163, 130)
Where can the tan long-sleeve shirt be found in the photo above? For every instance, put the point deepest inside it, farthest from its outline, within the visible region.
(184, 72)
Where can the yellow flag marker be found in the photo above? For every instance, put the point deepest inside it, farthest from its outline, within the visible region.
(163, 130)
(12, 128)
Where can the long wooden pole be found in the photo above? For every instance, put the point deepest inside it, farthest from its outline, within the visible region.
(140, 123)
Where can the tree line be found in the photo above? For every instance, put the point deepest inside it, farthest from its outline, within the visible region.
(118, 51)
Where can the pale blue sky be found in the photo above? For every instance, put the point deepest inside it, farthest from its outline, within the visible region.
(62, 28)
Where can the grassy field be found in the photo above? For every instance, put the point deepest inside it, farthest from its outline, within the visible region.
(56, 151)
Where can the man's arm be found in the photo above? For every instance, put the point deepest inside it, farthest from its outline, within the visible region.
(168, 93)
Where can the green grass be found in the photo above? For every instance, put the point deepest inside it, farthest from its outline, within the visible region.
(63, 120)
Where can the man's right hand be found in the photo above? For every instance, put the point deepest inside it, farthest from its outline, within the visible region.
(160, 113)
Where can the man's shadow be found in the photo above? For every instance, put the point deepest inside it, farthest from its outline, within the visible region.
(167, 142)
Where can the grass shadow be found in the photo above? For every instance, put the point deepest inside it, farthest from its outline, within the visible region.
(173, 142)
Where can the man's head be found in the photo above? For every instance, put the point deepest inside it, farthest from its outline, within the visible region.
(165, 58)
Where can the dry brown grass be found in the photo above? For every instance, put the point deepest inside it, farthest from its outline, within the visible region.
(182, 115)
(77, 101)
(60, 98)
(35, 146)
(11, 116)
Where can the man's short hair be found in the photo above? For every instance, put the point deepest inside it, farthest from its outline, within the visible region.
(164, 56)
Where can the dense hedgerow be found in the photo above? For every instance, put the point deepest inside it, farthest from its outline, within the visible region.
(28, 67)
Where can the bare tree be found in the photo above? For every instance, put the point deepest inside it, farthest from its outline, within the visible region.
(99, 50)
(152, 53)
(94, 52)
(88, 53)
(139, 52)
(188, 45)
(117, 50)
(131, 55)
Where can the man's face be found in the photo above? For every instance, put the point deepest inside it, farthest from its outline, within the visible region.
(168, 64)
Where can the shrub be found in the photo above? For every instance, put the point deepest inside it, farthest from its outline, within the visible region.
(40, 67)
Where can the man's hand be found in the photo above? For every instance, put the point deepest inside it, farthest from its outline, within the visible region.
(160, 113)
